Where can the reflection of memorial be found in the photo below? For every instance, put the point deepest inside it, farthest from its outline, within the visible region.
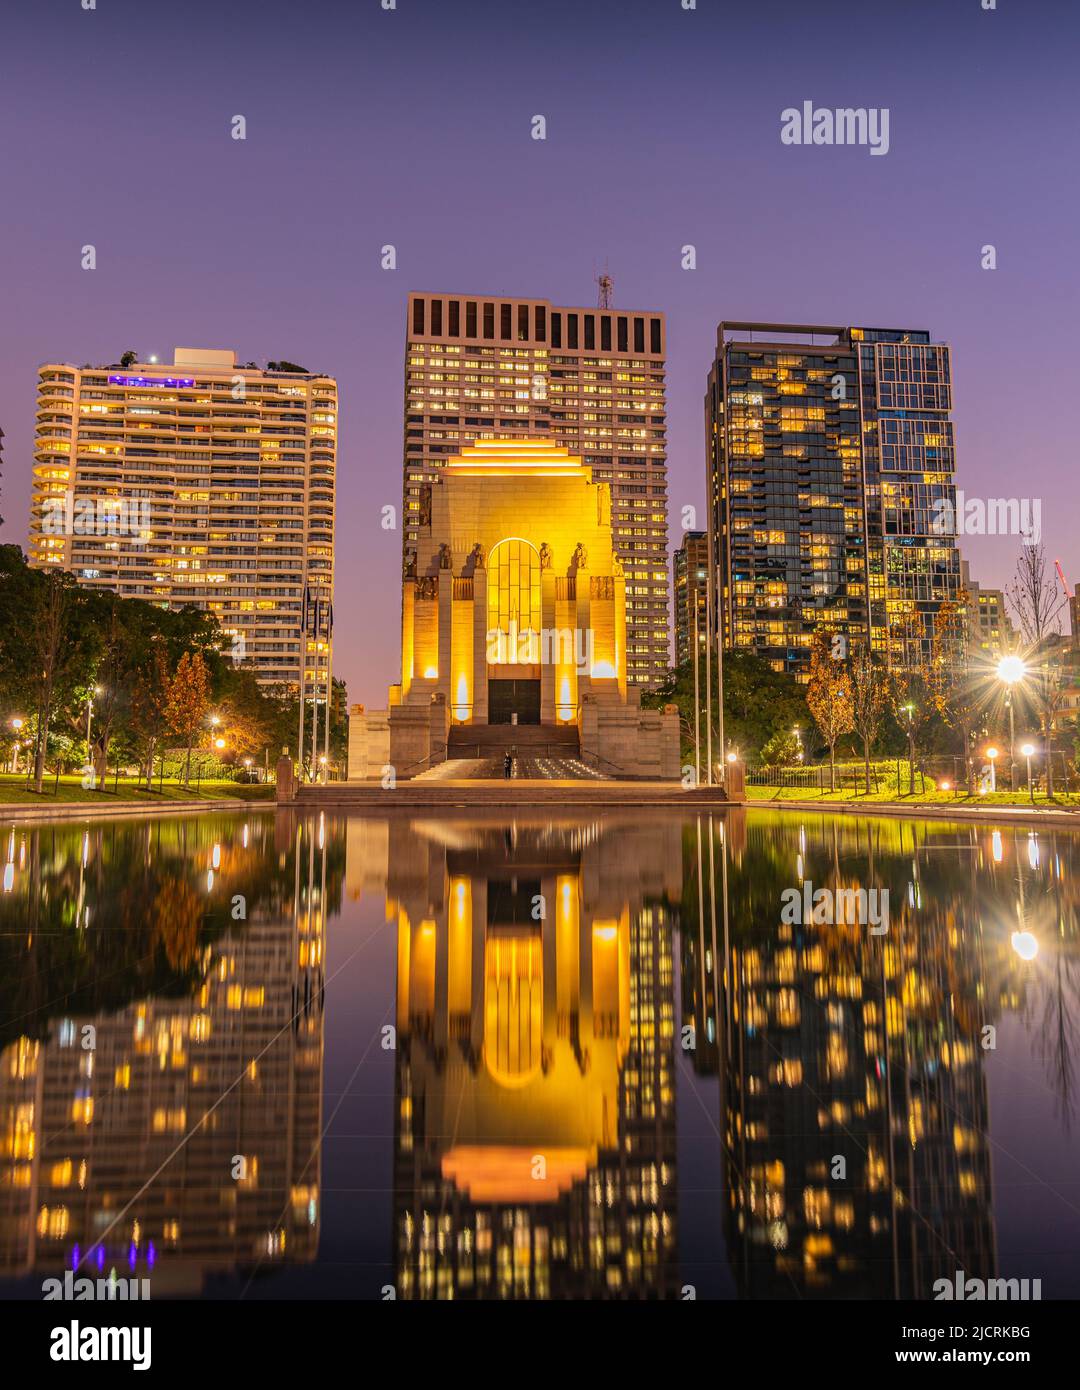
(853, 1096)
(124, 1154)
(535, 1126)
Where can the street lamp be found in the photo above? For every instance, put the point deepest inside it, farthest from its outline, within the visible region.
(992, 754)
(1011, 671)
(94, 690)
(1028, 750)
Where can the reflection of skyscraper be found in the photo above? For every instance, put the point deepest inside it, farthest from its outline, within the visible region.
(854, 1102)
(535, 1125)
(184, 1142)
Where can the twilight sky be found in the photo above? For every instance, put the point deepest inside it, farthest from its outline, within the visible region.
(412, 127)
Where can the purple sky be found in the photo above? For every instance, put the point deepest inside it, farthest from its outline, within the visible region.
(412, 127)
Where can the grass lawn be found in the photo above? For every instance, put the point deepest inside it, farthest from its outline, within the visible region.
(13, 792)
(928, 798)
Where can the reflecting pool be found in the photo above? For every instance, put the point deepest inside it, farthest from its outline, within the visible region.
(266, 1055)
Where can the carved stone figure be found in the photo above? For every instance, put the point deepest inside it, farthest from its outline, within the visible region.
(427, 586)
(479, 556)
(546, 557)
(446, 557)
(581, 557)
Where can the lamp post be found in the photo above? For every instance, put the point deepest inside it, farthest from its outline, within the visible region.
(1028, 749)
(1011, 671)
(94, 690)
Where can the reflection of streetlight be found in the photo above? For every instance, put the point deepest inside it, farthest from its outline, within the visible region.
(1028, 749)
(992, 754)
(1011, 670)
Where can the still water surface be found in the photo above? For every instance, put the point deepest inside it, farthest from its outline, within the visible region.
(577, 1056)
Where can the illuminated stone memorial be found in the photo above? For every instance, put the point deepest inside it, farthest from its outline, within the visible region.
(513, 625)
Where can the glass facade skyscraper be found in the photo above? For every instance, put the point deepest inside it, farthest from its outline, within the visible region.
(831, 487)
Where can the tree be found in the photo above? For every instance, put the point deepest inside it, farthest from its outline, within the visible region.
(1038, 605)
(758, 701)
(187, 702)
(916, 692)
(47, 649)
(869, 700)
(782, 749)
(961, 704)
(829, 695)
(149, 705)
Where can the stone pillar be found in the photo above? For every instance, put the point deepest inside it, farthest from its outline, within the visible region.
(547, 667)
(480, 630)
(735, 780)
(670, 745)
(446, 631)
(440, 724)
(285, 790)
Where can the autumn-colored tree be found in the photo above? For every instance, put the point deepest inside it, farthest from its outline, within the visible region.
(149, 706)
(869, 700)
(828, 693)
(187, 702)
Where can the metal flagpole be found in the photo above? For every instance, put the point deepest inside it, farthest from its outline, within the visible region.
(708, 674)
(697, 700)
(329, 679)
(315, 702)
(720, 680)
(303, 680)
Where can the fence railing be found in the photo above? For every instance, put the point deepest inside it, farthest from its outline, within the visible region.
(847, 777)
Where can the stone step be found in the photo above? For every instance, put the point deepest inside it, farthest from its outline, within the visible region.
(521, 793)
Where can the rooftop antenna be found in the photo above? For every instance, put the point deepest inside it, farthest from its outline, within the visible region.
(606, 297)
